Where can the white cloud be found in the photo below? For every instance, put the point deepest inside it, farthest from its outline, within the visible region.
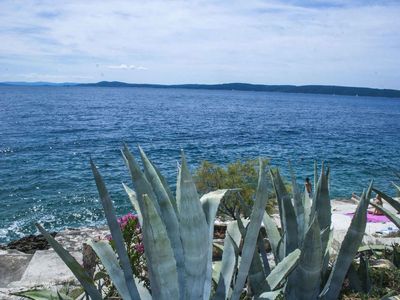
(273, 42)
(126, 67)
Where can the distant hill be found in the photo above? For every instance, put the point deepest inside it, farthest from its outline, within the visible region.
(306, 89)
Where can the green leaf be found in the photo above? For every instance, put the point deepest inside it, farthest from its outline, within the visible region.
(298, 207)
(116, 233)
(269, 295)
(194, 233)
(139, 180)
(304, 282)
(210, 203)
(283, 269)
(288, 216)
(252, 232)
(273, 235)
(168, 216)
(159, 254)
(322, 202)
(363, 272)
(134, 201)
(348, 249)
(111, 264)
(256, 277)
(72, 264)
(390, 200)
(43, 294)
(397, 187)
(229, 260)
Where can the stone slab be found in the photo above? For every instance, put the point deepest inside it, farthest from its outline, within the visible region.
(12, 266)
(46, 268)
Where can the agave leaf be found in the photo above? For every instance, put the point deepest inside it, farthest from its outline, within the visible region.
(397, 187)
(278, 197)
(390, 200)
(210, 203)
(304, 282)
(376, 247)
(315, 174)
(169, 218)
(263, 253)
(115, 232)
(109, 260)
(139, 180)
(298, 207)
(325, 261)
(269, 295)
(307, 204)
(288, 216)
(354, 279)
(194, 233)
(229, 260)
(363, 273)
(72, 264)
(252, 232)
(388, 213)
(283, 269)
(42, 294)
(348, 249)
(216, 271)
(322, 203)
(159, 254)
(111, 264)
(133, 198)
(273, 235)
(256, 277)
(166, 187)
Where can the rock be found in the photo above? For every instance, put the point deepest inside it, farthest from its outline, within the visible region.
(29, 244)
(12, 265)
(382, 264)
(46, 268)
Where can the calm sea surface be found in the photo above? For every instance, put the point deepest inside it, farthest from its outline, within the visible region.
(47, 135)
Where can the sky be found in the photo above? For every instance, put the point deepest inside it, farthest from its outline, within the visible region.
(339, 42)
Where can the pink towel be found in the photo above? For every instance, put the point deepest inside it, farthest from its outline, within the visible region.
(373, 218)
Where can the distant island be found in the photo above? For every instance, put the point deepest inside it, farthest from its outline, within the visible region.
(305, 89)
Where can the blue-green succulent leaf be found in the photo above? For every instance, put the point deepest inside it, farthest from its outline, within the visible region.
(348, 249)
(194, 233)
(252, 232)
(159, 254)
(304, 282)
(72, 264)
(210, 203)
(229, 260)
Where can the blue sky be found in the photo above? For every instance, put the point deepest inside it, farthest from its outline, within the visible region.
(354, 43)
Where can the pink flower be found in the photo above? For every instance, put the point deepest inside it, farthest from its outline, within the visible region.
(139, 248)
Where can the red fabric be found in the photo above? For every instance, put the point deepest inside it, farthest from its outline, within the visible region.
(373, 218)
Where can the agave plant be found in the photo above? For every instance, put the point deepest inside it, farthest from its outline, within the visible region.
(178, 240)
(306, 224)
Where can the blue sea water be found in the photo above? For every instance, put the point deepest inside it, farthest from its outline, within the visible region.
(48, 134)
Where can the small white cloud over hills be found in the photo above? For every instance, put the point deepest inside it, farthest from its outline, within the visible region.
(126, 67)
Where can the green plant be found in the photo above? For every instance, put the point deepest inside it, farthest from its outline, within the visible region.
(308, 227)
(132, 234)
(242, 175)
(177, 235)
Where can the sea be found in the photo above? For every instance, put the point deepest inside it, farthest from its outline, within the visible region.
(48, 135)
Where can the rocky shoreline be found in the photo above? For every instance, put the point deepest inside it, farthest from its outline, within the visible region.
(28, 244)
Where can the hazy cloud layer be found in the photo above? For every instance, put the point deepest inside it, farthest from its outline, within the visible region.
(274, 42)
